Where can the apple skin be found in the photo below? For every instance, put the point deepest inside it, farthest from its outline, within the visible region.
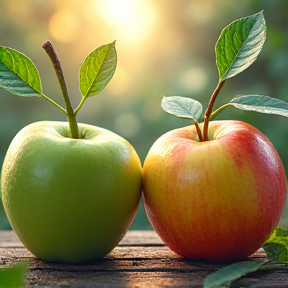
(215, 200)
(70, 200)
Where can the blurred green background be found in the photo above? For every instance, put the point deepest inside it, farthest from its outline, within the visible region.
(164, 48)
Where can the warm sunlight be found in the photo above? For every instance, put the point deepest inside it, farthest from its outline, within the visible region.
(134, 19)
(64, 26)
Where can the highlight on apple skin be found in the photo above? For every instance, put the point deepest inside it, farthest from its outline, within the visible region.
(218, 199)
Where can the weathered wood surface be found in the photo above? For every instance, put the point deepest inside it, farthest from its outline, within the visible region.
(140, 260)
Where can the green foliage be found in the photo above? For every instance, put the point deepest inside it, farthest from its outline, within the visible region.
(261, 104)
(18, 74)
(12, 277)
(228, 274)
(97, 70)
(183, 107)
(239, 45)
(257, 103)
(237, 48)
(276, 247)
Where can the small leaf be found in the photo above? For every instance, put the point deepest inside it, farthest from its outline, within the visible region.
(18, 74)
(276, 247)
(239, 45)
(231, 273)
(281, 232)
(13, 276)
(97, 69)
(262, 104)
(183, 107)
(277, 250)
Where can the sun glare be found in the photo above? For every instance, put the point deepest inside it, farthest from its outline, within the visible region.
(64, 26)
(133, 19)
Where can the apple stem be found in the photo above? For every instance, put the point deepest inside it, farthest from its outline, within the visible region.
(71, 116)
(209, 109)
(198, 130)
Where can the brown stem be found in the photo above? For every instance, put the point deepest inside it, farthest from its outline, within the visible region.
(198, 130)
(73, 126)
(209, 110)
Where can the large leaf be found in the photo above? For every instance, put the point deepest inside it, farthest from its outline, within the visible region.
(276, 247)
(18, 74)
(233, 272)
(262, 104)
(97, 69)
(239, 45)
(183, 107)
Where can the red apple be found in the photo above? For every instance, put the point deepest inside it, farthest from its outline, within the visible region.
(217, 199)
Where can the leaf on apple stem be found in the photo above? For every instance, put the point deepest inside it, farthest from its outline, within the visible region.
(235, 271)
(260, 103)
(276, 247)
(239, 45)
(18, 74)
(97, 70)
(183, 107)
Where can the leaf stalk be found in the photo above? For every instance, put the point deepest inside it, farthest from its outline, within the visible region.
(54, 103)
(80, 105)
(213, 114)
(198, 130)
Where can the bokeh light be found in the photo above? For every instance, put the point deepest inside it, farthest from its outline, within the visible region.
(128, 124)
(64, 26)
(194, 79)
(134, 19)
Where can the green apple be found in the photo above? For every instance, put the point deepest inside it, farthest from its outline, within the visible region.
(70, 190)
(70, 200)
(218, 199)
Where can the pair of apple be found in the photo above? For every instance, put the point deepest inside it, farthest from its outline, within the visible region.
(212, 190)
(72, 200)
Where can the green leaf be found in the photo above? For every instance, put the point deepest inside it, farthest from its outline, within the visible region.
(12, 277)
(276, 247)
(262, 104)
(183, 107)
(18, 74)
(231, 273)
(97, 69)
(277, 250)
(239, 45)
(281, 232)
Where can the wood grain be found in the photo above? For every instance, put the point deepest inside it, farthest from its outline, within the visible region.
(140, 260)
